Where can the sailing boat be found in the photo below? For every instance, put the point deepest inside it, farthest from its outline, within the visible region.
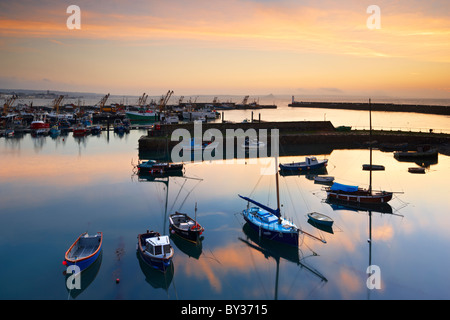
(355, 194)
(269, 223)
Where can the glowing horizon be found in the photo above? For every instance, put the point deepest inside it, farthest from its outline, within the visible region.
(227, 47)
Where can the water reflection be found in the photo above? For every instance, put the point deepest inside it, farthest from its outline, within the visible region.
(192, 250)
(277, 252)
(44, 188)
(156, 278)
(86, 278)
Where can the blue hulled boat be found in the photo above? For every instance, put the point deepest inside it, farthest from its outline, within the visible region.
(269, 223)
(84, 251)
(310, 163)
(155, 250)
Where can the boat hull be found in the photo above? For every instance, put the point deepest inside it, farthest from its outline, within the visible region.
(360, 197)
(85, 262)
(151, 167)
(320, 219)
(271, 231)
(191, 230)
(139, 116)
(304, 166)
(161, 264)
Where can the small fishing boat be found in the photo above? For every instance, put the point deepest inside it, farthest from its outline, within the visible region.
(39, 125)
(323, 179)
(54, 130)
(79, 130)
(154, 167)
(84, 251)
(155, 250)
(97, 129)
(120, 127)
(253, 144)
(425, 151)
(416, 170)
(147, 115)
(377, 167)
(320, 218)
(186, 227)
(192, 146)
(310, 163)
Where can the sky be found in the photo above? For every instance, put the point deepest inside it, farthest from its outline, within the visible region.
(296, 47)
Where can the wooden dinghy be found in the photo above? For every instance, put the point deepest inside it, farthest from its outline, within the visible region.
(320, 218)
(186, 227)
(84, 251)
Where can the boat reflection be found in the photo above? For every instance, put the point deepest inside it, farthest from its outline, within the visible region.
(192, 250)
(276, 251)
(322, 227)
(147, 176)
(309, 174)
(336, 204)
(86, 277)
(156, 278)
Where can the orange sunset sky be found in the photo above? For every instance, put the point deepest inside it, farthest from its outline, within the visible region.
(228, 47)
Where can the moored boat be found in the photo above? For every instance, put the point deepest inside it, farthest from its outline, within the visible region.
(269, 223)
(155, 250)
(186, 227)
(143, 115)
(40, 127)
(152, 166)
(79, 130)
(416, 170)
(84, 251)
(356, 194)
(377, 167)
(320, 218)
(253, 144)
(323, 179)
(310, 163)
(425, 151)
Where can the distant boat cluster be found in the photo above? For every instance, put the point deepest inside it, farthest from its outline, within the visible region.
(48, 120)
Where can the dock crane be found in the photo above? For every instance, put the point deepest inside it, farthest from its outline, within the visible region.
(164, 100)
(102, 103)
(8, 103)
(142, 100)
(57, 103)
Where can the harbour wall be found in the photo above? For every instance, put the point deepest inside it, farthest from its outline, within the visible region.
(300, 138)
(387, 107)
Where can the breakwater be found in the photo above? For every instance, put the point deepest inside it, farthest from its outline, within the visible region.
(298, 138)
(387, 107)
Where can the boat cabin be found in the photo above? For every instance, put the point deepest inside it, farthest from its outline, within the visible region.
(158, 245)
(311, 160)
(263, 215)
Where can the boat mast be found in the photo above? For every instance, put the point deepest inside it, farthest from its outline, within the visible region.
(278, 189)
(370, 142)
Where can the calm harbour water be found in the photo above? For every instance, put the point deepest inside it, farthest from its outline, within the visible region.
(52, 190)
